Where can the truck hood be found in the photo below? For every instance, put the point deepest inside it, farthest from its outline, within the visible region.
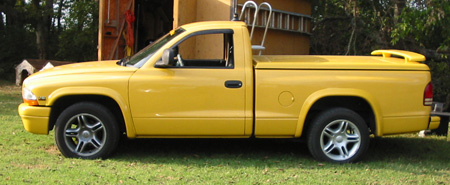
(104, 78)
(84, 68)
(80, 74)
(319, 62)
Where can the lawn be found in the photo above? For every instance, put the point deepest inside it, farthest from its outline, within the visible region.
(30, 158)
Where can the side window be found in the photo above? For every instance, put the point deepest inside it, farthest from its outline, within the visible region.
(208, 50)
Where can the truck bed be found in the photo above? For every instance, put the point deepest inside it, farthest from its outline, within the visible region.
(286, 86)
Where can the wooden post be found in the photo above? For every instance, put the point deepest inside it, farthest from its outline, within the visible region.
(101, 23)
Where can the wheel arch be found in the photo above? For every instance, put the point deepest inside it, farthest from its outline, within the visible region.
(356, 100)
(63, 98)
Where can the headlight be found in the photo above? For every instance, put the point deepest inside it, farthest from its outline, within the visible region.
(29, 97)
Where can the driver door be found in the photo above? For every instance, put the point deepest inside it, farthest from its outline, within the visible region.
(201, 94)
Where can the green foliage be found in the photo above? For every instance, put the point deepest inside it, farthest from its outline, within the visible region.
(428, 26)
(78, 42)
(359, 27)
(16, 44)
(350, 27)
(77, 46)
(425, 27)
(440, 72)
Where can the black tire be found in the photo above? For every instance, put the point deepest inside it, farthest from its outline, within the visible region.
(338, 135)
(86, 130)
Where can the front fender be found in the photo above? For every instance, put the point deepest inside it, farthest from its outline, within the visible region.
(101, 91)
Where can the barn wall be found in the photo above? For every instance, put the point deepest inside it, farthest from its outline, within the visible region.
(188, 11)
(297, 6)
(208, 10)
(184, 12)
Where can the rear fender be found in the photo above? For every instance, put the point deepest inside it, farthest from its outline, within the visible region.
(313, 98)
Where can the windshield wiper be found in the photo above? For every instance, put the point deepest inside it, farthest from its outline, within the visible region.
(123, 61)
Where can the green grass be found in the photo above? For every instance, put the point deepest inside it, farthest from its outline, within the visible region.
(30, 158)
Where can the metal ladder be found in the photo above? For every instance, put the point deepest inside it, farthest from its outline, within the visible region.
(273, 19)
(289, 21)
(265, 20)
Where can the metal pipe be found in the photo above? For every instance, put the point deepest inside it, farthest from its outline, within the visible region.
(254, 16)
(267, 23)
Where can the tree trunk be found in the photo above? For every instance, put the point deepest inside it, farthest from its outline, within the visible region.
(12, 17)
(2, 27)
(41, 40)
(42, 26)
(398, 8)
(59, 15)
(2, 10)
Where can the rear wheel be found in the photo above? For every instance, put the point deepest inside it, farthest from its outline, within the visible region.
(338, 135)
(86, 130)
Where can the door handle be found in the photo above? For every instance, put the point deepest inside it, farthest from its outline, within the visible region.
(233, 84)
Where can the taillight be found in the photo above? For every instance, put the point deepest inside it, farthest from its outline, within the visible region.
(428, 95)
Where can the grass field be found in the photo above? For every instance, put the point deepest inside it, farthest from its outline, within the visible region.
(28, 158)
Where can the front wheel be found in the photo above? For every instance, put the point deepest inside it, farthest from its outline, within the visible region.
(338, 135)
(86, 130)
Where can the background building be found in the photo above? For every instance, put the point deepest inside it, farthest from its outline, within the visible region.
(288, 33)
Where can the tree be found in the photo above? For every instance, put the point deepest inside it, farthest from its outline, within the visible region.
(78, 41)
(359, 27)
(43, 9)
(351, 26)
(2, 24)
(47, 29)
(59, 15)
(424, 27)
(17, 41)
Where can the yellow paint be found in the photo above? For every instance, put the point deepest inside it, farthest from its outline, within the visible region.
(270, 127)
(34, 118)
(320, 62)
(397, 125)
(434, 123)
(89, 78)
(276, 96)
(165, 99)
(333, 92)
(286, 98)
(189, 126)
(407, 55)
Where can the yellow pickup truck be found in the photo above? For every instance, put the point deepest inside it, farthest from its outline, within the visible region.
(176, 89)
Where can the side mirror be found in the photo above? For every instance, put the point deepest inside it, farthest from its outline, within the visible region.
(168, 57)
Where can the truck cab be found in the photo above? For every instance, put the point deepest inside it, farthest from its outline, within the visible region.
(215, 78)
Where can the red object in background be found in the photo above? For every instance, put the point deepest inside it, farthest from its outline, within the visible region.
(130, 18)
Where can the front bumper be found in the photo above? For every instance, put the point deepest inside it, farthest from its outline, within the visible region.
(434, 122)
(34, 118)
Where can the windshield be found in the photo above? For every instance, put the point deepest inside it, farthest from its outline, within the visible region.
(139, 59)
